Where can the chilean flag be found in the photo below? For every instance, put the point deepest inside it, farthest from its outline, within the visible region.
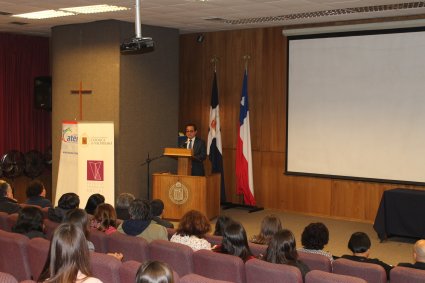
(244, 177)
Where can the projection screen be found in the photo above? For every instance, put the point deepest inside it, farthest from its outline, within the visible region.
(356, 106)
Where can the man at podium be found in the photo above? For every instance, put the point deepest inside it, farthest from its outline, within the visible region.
(198, 148)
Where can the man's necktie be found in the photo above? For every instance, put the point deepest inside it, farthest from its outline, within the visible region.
(190, 144)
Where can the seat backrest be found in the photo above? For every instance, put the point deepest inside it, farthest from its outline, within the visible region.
(4, 225)
(219, 266)
(38, 251)
(132, 247)
(178, 256)
(266, 272)
(44, 211)
(257, 250)
(214, 240)
(11, 220)
(371, 273)
(7, 278)
(99, 240)
(50, 227)
(319, 276)
(13, 255)
(315, 261)
(105, 267)
(401, 274)
(196, 278)
(128, 270)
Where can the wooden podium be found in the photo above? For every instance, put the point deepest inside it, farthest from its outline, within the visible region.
(182, 192)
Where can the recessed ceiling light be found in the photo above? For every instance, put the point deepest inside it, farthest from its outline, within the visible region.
(94, 9)
(44, 14)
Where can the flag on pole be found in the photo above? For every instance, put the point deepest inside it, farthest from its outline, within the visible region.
(244, 177)
(214, 148)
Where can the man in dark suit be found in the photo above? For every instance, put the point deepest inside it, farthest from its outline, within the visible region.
(7, 203)
(418, 255)
(199, 150)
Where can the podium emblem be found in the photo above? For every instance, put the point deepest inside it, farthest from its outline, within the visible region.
(178, 193)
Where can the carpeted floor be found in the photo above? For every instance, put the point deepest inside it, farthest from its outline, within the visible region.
(391, 252)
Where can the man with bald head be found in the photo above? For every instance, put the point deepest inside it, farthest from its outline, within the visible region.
(418, 256)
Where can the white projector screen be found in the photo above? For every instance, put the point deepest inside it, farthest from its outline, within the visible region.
(356, 106)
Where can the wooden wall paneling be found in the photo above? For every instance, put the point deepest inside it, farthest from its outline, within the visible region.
(272, 192)
(229, 174)
(348, 199)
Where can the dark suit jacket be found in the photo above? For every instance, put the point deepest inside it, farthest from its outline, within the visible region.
(199, 155)
(417, 265)
(9, 205)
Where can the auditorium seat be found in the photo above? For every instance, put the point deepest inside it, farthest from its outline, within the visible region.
(257, 250)
(371, 273)
(7, 278)
(38, 251)
(319, 276)
(44, 211)
(11, 220)
(4, 224)
(99, 240)
(132, 247)
(219, 266)
(316, 261)
(401, 274)
(178, 256)
(196, 278)
(128, 271)
(13, 255)
(266, 272)
(50, 227)
(214, 240)
(105, 267)
(170, 232)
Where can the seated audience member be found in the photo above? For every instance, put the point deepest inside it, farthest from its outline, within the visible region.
(269, 226)
(140, 223)
(157, 207)
(235, 242)
(359, 244)
(36, 194)
(220, 223)
(123, 203)
(154, 272)
(7, 203)
(92, 202)
(418, 256)
(66, 202)
(30, 223)
(68, 259)
(104, 219)
(282, 250)
(191, 231)
(80, 218)
(314, 238)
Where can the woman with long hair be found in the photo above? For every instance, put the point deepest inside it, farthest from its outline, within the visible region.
(282, 250)
(269, 226)
(93, 201)
(235, 242)
(68, 259)
(80, 218)
(191, 231)
(104, 219)
(220, 223)
(154, 272)
(30, 223)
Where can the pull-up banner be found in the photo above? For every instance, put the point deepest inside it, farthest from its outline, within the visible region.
(86, 163)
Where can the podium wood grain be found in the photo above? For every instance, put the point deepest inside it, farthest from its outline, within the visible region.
(184, 159)
(203, 194)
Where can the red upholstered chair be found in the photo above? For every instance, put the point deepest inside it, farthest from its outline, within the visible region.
(179, 257)
(214, 240)
(401, 274)
(219, 266)
(11, 220)
(128, 270)
(371, 273)
(266, 272)
(44, 211)
(99, 240)
(38, 251)
(132, 247)
(257, 249)
(319, 276)
(105, 267)
(316, 261)
(4, 224)
(196, 278)
(7, 278)
(50, 227)
(13, 255)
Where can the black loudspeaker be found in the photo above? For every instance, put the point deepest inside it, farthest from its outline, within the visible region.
(43, 93)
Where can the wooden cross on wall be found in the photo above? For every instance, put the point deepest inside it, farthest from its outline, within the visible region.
(80, 92)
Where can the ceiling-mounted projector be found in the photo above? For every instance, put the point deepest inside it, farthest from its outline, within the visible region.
(137, 44)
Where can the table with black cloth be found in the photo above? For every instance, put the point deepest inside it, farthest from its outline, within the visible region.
(401, 213)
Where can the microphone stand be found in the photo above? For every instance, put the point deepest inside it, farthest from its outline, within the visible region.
(148, 162)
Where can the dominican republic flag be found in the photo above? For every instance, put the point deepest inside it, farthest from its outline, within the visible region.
(244, 177)
(214, 148)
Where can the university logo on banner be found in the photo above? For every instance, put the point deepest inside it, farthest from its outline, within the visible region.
(95, 170)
